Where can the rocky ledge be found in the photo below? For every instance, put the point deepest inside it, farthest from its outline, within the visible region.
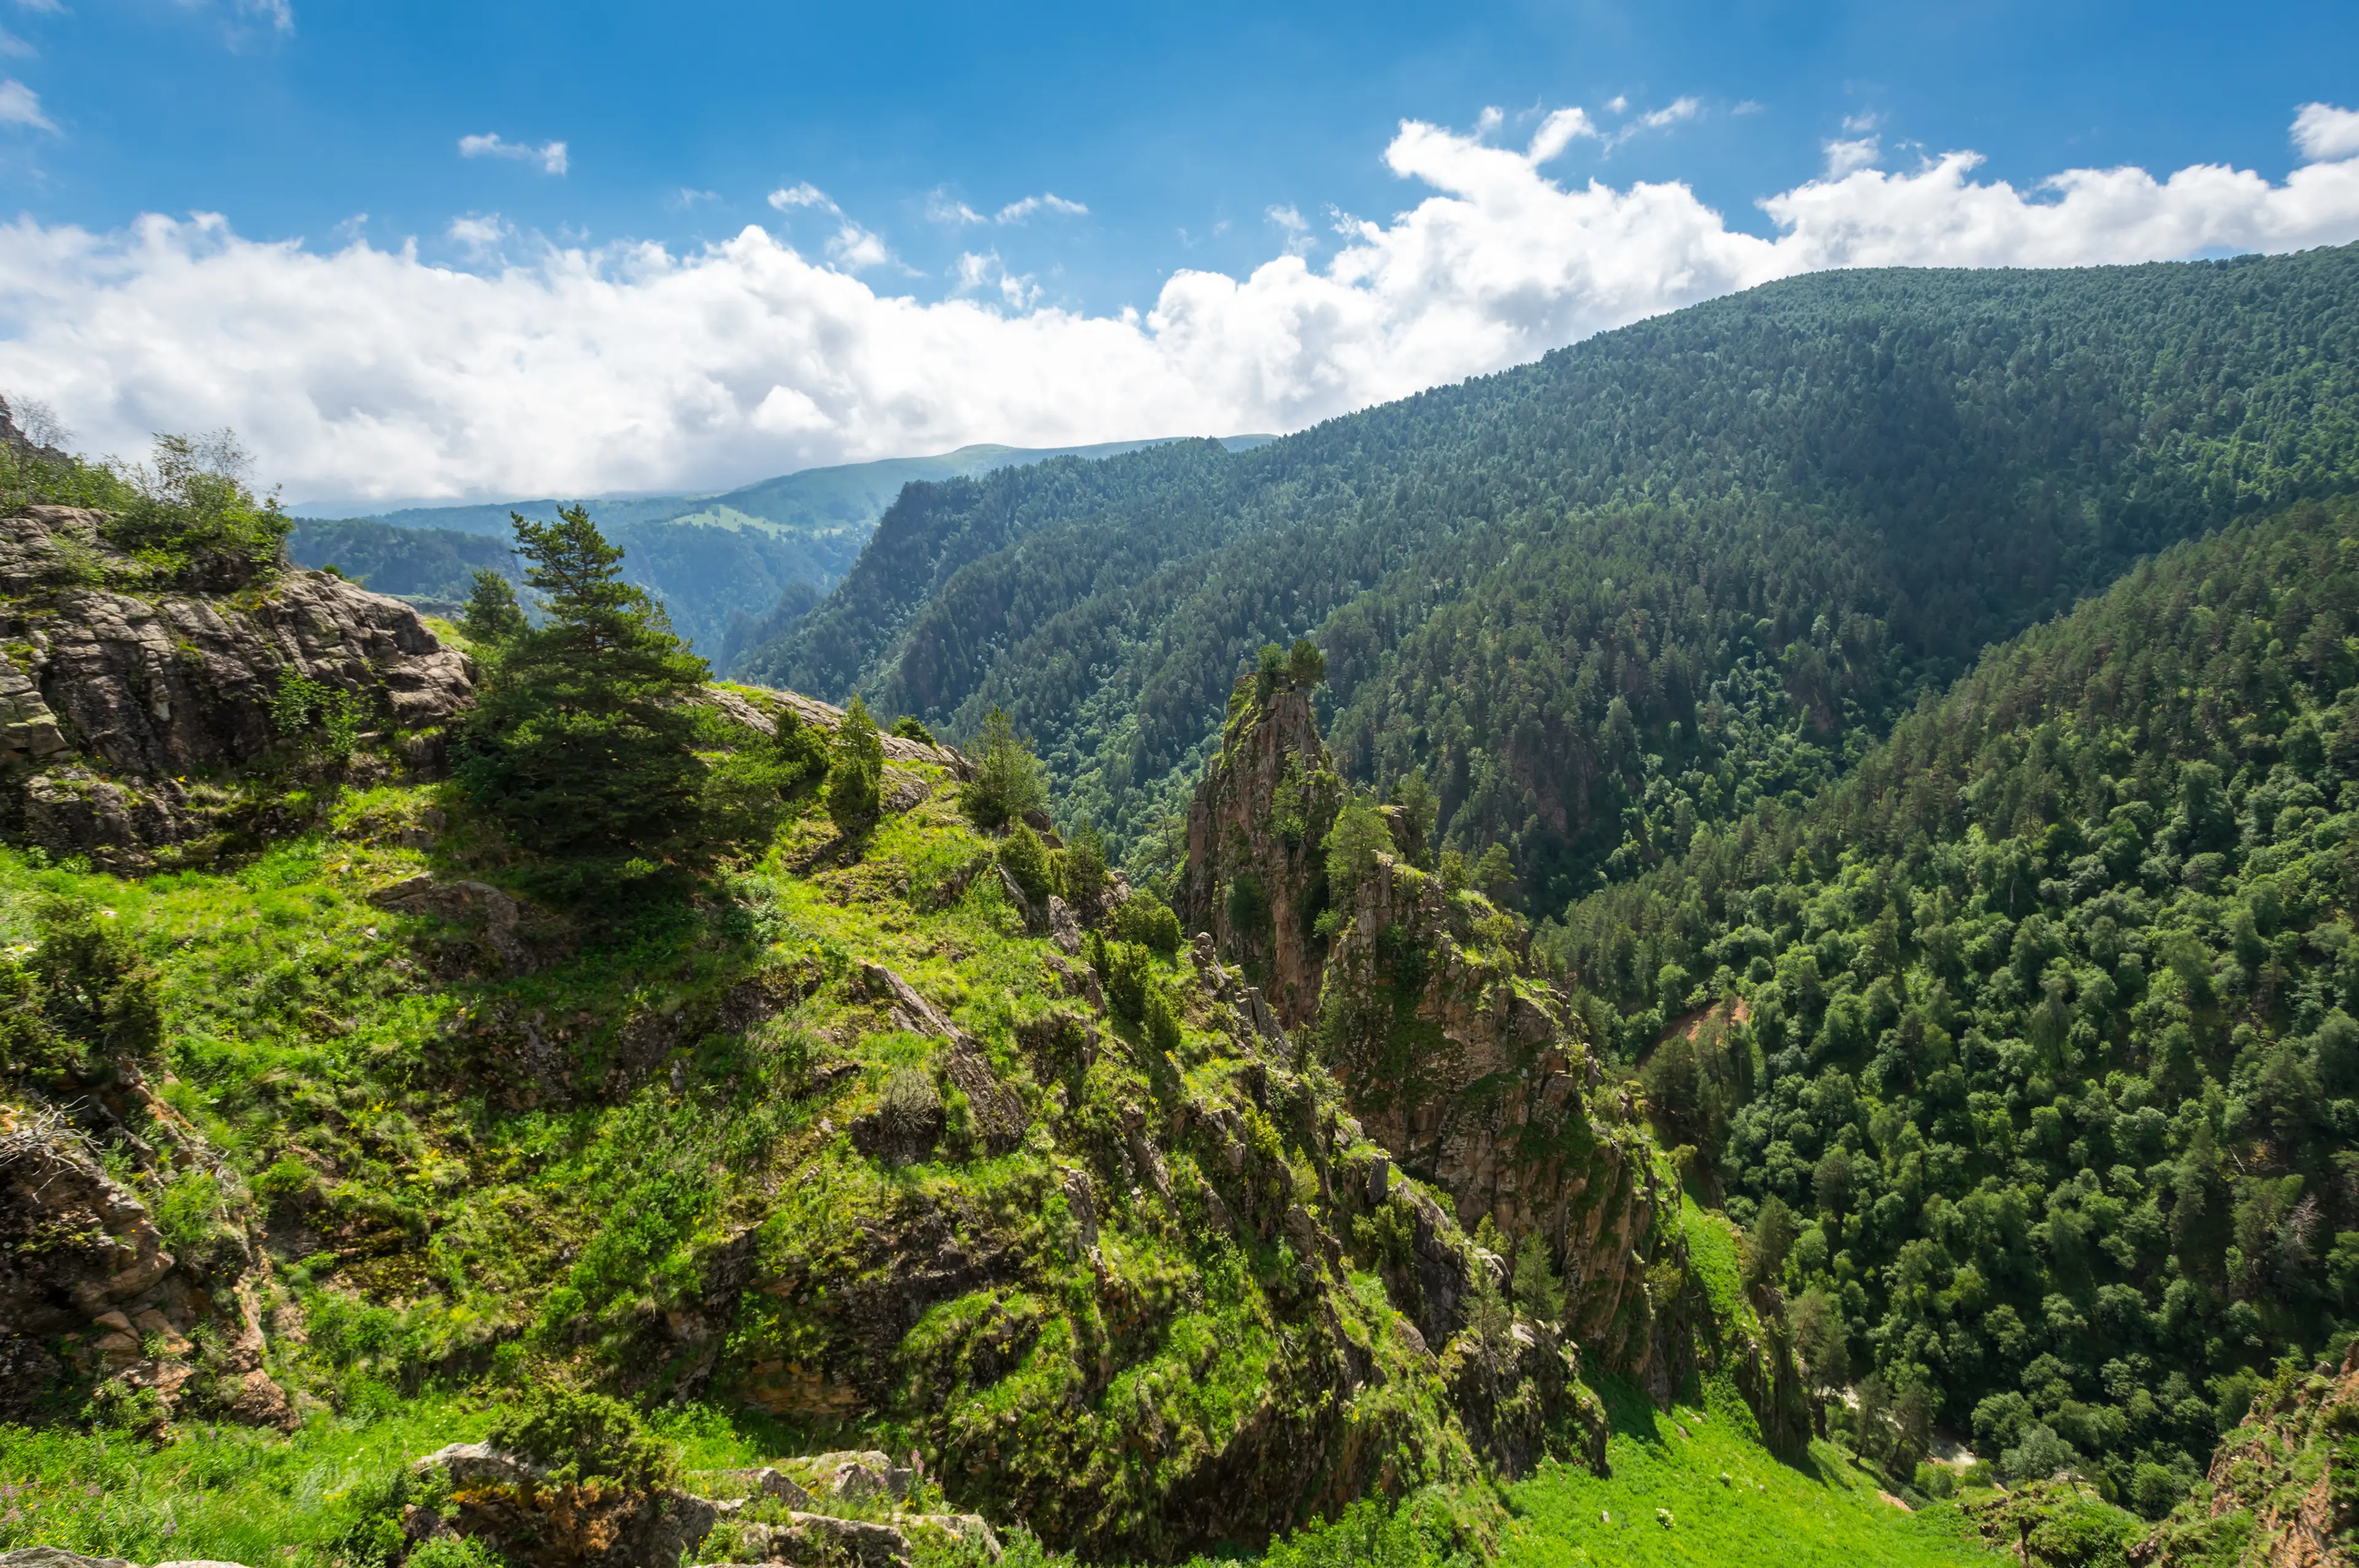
(128, 709)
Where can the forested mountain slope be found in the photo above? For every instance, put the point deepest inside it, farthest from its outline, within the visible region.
(2043, 1021)
(1841, 486)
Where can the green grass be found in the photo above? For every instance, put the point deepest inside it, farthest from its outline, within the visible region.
(234, 1494)
(1824, 1514)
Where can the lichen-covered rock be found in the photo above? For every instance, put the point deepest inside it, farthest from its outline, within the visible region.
(538, 1520)
(120, 705)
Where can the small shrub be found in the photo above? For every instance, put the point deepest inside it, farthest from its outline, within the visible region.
(1027, 860)
(1128, 971)
(1147, 920)
(453, 1552)
(1162, 1018)
(580, 1434)
(302, 703)
(801, 752)
(913, 1105)
(909, 729)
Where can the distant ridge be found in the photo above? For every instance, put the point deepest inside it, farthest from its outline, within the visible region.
(845, 495)
(733, 567)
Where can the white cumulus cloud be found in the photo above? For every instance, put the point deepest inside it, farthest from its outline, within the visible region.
(547, 368)
(550, 156)
(943, 207)
(2323, 131)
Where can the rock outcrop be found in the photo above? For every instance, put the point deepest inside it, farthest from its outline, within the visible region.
(83, 1268)
(1469, 1072)
(756, 712)
(2284, 1485)
(129, 708)
(538, 1520)
(1256, 877)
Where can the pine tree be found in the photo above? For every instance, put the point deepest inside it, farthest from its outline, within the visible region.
(582, 745)
(492, 617)
(1539, 1293)
(856, 780)
(1008, 779)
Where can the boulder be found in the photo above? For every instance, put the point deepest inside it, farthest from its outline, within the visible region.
(493, 915)
(514, 1506)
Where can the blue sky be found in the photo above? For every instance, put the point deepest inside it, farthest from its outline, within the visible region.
(878, 146)
(1178, 126)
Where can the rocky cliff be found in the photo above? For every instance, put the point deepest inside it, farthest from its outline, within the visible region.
(1465, 1069)
(137, 703)
(1256, 877)
(2283, 1489)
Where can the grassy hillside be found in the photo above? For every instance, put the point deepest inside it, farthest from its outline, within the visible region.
(1690, 1488)
(1839, 487)
(647, 1158)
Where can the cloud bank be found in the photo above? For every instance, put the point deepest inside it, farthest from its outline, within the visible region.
(360, 372)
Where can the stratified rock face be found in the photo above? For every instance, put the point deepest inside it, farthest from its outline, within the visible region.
(1465, 1069)
(120, 708)
(1471, 1075)
(82, 1266)
(1255, 875)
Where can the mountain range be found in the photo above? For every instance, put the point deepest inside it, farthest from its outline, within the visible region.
(721, 562)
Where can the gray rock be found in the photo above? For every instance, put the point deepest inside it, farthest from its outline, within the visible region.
(51, 1557)
(910, 1011)
(476, 1464)
(467, 903)
(1063, 929)
(871, 1545)
(768, 1481)
(126, 696)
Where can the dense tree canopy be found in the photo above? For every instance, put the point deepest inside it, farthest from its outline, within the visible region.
(2045, 1023)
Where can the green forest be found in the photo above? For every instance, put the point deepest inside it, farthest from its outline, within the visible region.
(1847, 484)
(2039, 1089)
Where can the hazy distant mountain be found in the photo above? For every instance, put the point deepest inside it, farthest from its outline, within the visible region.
(715, 560)
(847, 495)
